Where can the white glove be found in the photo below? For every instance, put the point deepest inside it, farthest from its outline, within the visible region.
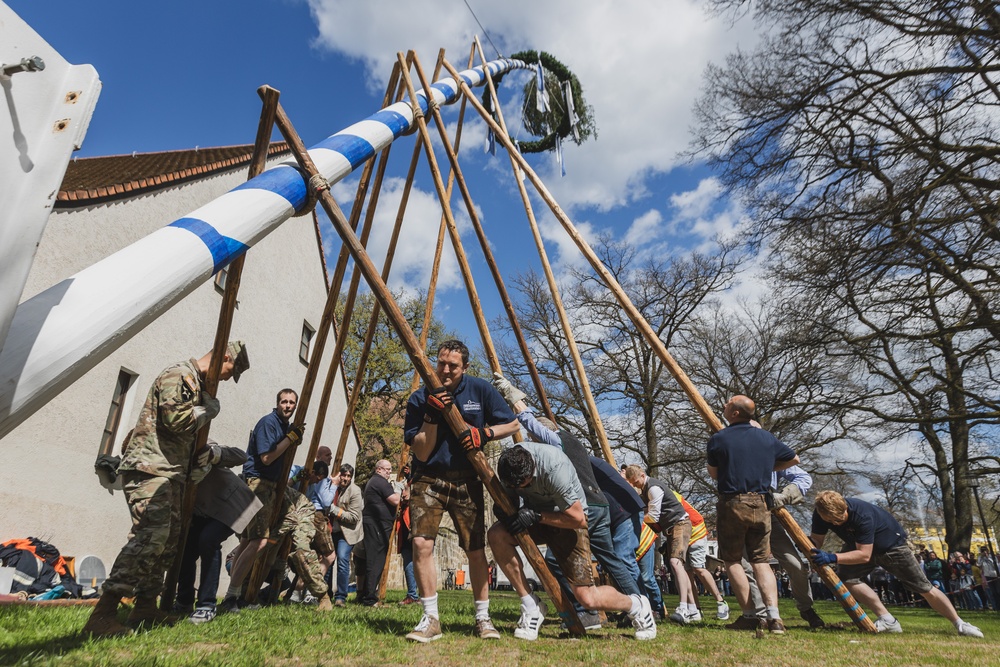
(207, 411)
(199, 473)
(510, 393)
(790, 495)
(211, 405)
(209, 456)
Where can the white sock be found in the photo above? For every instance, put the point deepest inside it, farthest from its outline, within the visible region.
(636, 605)
(482, 609)
(234, 591)
(772, 612)
(430, 605)
(957, 622)
(528, 604)
(887, 618)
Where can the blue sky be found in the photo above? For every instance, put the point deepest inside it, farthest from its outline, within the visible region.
(183, 74)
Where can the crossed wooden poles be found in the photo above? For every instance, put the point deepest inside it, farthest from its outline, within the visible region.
(354, 248)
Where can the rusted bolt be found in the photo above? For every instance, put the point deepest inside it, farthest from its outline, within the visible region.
(61, 125)
(72, 96)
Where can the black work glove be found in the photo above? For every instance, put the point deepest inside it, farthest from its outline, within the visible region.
(474, 438)
(294, 434)
(521, 521)
(440, 399)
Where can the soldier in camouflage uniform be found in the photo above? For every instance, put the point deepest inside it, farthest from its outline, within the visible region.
(299, 522)
(154, 470)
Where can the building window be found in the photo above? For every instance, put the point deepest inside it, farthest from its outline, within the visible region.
(220, 279)
(305, 342)
(116, 410)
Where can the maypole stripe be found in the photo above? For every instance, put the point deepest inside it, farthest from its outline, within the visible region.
(223, 248)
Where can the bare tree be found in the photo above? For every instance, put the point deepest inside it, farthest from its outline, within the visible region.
(862, 137)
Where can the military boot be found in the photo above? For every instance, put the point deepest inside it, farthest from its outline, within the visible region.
(145, 612)
(103, 621)
(325, 604)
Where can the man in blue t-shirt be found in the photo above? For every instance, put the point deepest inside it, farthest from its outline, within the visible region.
(444, 479)
(872, 537)
(741, 458)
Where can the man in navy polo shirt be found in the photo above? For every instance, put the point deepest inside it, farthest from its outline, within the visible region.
(741, 458)
(270, 440)
(444, 479)
(872, 537)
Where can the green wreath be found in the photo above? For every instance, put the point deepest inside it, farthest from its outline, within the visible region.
(554, 122)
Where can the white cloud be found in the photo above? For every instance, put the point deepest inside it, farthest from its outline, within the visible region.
(640, 64)
(413, 258)
(644, 228)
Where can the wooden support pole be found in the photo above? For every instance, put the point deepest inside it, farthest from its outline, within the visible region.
(699, 403)
(404, 452)
(222, 332)
(485, 245)
(456, 241)
(258, 572)
(825, 572)
(452, 417)
(345, 322)
(581, 372)
(355, 396)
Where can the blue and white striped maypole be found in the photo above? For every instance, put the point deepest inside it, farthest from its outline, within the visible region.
(55, 337)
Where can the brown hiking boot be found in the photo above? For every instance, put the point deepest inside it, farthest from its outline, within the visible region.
(103, 621)
(744, 623)
(325, 604)
(145, 612)
(775, 626)
(810, 615)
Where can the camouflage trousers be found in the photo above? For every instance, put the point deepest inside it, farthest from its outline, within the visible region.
(155, 505)
(300, 524)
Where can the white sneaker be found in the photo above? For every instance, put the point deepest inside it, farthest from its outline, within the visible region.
(722, 611)
(527, 627)
(643, 621)
(296, 597)
(544, 608)
(969, 630)
(694, 616)
(894, 626)
(310, 599)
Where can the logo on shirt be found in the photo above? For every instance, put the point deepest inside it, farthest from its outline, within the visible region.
(472, 406)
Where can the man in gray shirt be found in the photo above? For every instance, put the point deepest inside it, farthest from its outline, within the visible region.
(554, 513)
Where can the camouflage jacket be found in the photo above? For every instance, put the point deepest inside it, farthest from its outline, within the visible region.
(164, 436)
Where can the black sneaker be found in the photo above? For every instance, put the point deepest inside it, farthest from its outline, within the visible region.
(231, 605)
(810, 616)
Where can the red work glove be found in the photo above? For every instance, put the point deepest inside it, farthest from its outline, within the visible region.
(474, 438)
(440, 399)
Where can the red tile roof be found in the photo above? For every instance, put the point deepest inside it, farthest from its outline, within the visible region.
(94, 180)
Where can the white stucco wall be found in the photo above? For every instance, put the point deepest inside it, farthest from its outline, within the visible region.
(48, 488)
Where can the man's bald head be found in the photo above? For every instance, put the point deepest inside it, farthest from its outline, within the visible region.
(739, 410)
(324, 454)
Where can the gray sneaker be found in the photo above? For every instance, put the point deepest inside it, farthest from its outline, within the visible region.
(722, 610)
(427, 630)
(885, 626)
(590, 620)
(968, 630)
(678, 617)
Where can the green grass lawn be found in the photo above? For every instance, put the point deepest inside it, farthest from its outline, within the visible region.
(297, 635)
